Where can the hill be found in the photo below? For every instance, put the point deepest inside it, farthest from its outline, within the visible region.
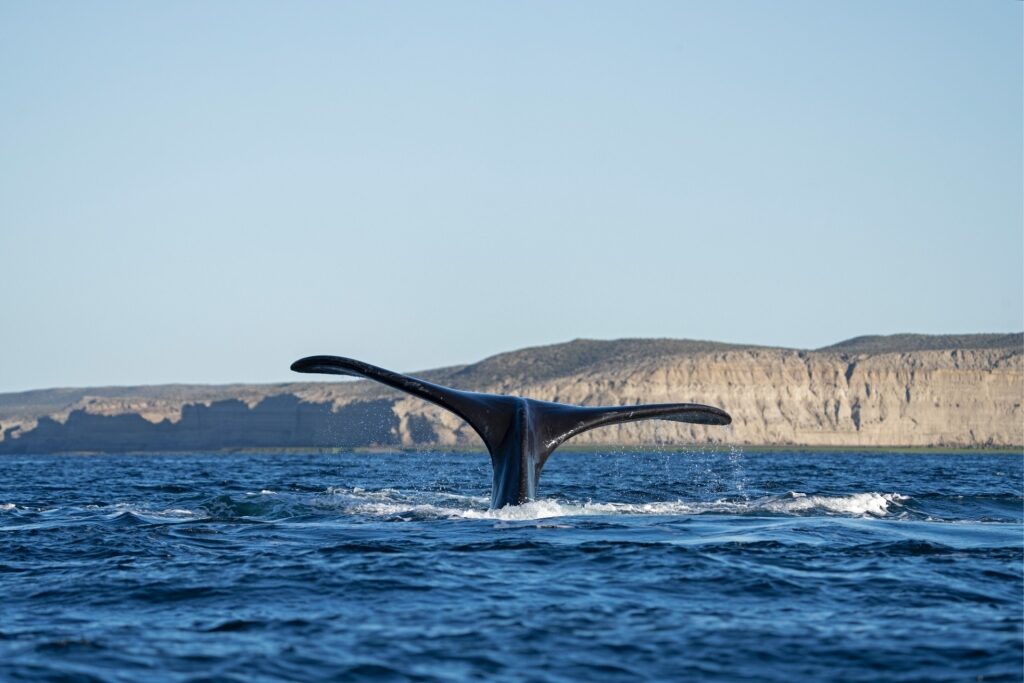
(920, 390)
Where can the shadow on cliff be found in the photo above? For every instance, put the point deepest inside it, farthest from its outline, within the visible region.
(282, 421)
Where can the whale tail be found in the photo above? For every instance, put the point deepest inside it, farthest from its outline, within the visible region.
(519, 433)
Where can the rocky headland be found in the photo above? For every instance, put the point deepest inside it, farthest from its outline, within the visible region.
(901, 390)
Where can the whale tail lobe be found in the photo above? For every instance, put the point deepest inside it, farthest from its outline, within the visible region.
(519, 433)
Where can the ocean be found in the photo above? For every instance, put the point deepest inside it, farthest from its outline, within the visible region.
(689, 565)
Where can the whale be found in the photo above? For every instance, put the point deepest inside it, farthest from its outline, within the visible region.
(520, 433)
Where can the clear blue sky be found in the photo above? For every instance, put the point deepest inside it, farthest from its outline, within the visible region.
(205, 191)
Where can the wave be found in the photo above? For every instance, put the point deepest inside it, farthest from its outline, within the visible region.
(394, 504)
(267, 505)
(151, 515)
(858, 504)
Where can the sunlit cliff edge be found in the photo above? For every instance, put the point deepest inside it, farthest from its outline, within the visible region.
(901, 390)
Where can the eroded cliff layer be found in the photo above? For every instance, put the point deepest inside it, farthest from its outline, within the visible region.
(908, 390)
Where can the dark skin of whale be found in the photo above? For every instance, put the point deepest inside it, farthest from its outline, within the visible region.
(520, 433)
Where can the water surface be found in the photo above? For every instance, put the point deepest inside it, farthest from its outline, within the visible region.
(633, 566)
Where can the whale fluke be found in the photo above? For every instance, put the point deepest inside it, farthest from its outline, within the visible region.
(519, 433)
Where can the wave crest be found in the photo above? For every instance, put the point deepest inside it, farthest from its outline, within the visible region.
(394, 504)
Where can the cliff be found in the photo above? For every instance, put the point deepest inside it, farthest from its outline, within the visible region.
(904, 390)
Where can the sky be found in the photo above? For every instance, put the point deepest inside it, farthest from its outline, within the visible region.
(202, 192)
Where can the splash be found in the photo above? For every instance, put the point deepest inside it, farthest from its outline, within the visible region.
(858, 504)
(414, 505)
(391, 503)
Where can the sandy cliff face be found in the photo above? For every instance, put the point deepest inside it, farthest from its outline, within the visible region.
(959, 397)
(925, 398)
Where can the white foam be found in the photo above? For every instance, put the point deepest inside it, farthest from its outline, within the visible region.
(147, 513)
(179, 512)
(543, 509)
(859, 504)
(419, 505)
(538, 509)
(356, 491)
(7, 506)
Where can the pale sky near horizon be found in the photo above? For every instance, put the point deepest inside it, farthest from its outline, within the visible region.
(206, 191)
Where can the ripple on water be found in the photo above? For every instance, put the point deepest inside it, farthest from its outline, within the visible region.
(659, 566)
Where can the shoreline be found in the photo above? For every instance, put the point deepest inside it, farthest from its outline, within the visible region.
(586, 448)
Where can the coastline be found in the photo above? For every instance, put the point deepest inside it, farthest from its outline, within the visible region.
(770, 449)
(919, 392)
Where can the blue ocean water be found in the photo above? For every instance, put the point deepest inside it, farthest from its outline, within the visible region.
(666, 565)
